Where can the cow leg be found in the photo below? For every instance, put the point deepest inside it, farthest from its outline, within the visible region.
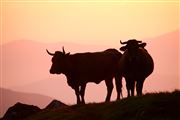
(139, 87)
(109, 85)
(77, 94)
(118, 81)
(132, 86)
(128, 89)
(82, 92)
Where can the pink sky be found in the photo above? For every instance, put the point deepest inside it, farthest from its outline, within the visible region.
(92, 23)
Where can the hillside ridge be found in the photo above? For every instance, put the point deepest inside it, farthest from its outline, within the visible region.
(156, 106)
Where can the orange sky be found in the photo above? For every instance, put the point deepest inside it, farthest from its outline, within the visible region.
(88, 22)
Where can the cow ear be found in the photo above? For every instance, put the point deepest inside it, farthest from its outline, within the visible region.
(142, 45)
(123, 48)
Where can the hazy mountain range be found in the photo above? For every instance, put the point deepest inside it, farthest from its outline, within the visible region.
(25, 67)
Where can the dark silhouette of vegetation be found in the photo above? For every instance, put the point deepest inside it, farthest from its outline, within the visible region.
(82, 68)
(153, 106)
(135, 65)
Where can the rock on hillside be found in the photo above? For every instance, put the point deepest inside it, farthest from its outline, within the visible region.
(55, 104)
(20, 111)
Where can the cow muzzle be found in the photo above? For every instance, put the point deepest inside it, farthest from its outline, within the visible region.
(54, 72)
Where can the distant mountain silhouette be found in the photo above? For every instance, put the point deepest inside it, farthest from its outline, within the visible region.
(165, 52)
(25, 67)
(9, 98)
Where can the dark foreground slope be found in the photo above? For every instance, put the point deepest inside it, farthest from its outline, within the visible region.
(156, 106)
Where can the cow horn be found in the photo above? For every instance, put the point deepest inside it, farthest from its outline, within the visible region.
(63, 50)
(49, 53)
(123, 42)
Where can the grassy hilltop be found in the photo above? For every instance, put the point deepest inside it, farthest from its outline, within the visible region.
(154, 106)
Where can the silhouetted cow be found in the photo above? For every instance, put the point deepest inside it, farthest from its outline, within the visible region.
(82, 68)
(135, 65)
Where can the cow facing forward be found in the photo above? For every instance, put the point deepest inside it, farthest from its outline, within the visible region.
(82, 68)
(135, 65)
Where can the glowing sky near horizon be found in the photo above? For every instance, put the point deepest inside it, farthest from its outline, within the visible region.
(87, 22)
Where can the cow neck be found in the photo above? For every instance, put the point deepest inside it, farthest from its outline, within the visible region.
(66, 65)
(70, 80)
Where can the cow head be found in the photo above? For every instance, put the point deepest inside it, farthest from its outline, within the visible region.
(59, 61)
(132, 45)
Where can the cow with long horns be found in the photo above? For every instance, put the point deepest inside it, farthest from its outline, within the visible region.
(81, 68)
(135, 65)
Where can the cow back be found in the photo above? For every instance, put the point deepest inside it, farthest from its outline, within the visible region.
(94, 67)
